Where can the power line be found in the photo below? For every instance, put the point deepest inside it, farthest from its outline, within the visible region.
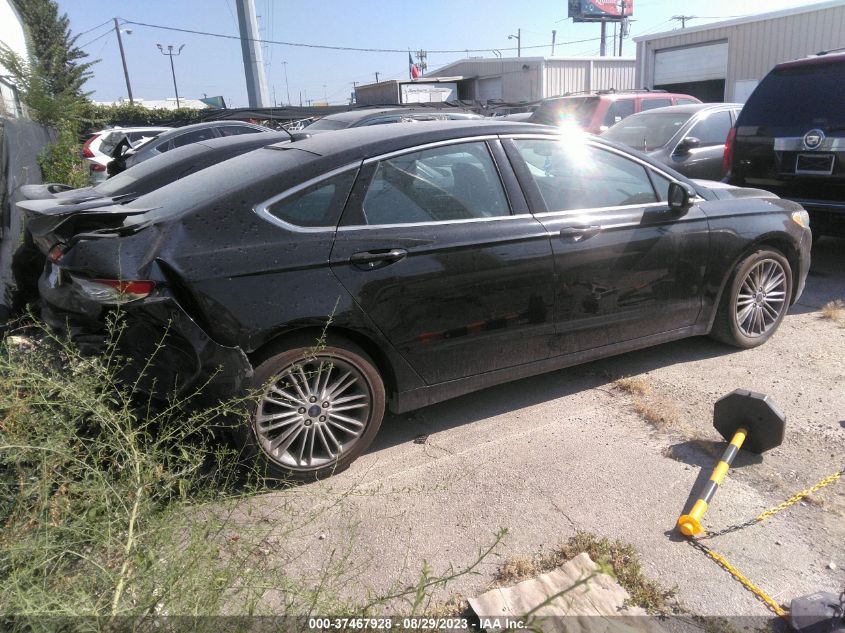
(94, 28)
(340, 48)
(88, 43)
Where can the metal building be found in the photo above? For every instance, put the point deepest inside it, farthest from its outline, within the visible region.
(725, 61)
(515, 79)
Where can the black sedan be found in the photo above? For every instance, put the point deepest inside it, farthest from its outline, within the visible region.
(403, 265)
(688, 138)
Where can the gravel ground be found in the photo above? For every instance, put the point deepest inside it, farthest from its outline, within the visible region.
(567, 451)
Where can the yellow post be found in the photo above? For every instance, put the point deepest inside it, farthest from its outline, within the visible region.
(690, 524)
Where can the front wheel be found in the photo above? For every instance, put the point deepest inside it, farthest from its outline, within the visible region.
(319, 409)
(755, 300)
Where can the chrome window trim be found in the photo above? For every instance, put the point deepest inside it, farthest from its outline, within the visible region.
(262, 208)
(362, 227)
(420, 148)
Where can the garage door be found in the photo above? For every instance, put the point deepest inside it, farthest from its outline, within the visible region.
(489, 88)
(690, 64)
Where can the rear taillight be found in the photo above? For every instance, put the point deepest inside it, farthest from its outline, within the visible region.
(86, 147)
(113, 291)
(728, 156)
(97, 167)
(56, 253)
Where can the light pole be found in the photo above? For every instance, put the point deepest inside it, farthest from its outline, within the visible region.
(518, 38)
(123, 58)
(287, 90)
(171, 55)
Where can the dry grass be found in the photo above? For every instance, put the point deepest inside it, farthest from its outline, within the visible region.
(834, 310)
(657, 412)
(619, 557)
(634, 385)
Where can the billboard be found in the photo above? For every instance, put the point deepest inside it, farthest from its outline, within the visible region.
(420, 92)
(598, 10)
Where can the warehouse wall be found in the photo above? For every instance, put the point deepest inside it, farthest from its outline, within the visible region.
(753, 47)
(575, 75)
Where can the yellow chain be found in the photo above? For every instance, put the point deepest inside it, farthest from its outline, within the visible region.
(733, 571)
(797, 497)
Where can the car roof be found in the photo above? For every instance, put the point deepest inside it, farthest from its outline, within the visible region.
(691, 108)
(356, 115)
(820, 59)
(363, 141)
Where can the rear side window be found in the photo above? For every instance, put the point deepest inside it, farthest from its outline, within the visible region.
(713, 130)
(686, 101)
(577, 176)
(191, 137)
(803, 97)
(650, 104)
(617, 111)
(317, 206)
(234, 130)
(455, 182)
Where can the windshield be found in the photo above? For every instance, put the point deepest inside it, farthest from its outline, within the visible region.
(647, 131)
(328, 124)
(801, 96)
(567, 109)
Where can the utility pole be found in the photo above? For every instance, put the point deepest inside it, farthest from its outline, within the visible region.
(287, 89)
(683, 19)
(422, 59)
(623, 27)
(603, 46)
(554, 37)
(123, 59)
(518, 38)
(256, 82)
(377, 76)
(171, 55)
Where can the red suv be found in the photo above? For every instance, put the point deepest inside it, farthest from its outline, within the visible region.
(596, 111)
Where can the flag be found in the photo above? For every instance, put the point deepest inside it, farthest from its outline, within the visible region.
(412, 67)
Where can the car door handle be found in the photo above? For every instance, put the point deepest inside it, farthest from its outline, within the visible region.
(579, 233)
(370, 260)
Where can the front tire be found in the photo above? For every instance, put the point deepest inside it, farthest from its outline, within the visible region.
(319, 409)
(755, 300)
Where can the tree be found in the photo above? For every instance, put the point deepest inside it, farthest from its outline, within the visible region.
(55, 56)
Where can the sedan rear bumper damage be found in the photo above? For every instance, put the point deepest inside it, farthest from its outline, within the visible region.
(166, 348)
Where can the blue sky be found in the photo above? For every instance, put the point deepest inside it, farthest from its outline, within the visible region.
(214, 66)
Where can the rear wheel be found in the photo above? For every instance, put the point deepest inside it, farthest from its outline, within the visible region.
(755, 301)
(319, 409)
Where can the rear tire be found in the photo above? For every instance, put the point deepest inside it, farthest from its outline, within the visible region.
(755, 300)
(319, 410)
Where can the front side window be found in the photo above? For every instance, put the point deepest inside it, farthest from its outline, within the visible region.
(455, 182)
(317, 206)
(713, 130)
(580, 176)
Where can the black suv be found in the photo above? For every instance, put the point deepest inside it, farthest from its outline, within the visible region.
(790, 139)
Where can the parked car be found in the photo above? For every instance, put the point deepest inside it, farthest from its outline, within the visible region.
(100, 145)
(28, 262)
(401, 266)
(596, 111)
(179, 137)
(688, 138)
(161, 170)
(381, 116)
(790, 139)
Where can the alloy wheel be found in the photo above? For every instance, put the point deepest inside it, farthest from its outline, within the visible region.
(761, 298)
(313, 412)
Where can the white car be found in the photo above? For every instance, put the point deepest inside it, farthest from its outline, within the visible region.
(99, 147)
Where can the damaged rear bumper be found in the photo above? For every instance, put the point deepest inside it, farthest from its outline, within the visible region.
(169, 352)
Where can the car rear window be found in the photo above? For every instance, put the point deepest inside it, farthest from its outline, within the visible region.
(647, 131)
(578, 110)
(798, 96)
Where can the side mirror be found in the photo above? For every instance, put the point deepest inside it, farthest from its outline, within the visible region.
(690, 142)
(679, 197)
